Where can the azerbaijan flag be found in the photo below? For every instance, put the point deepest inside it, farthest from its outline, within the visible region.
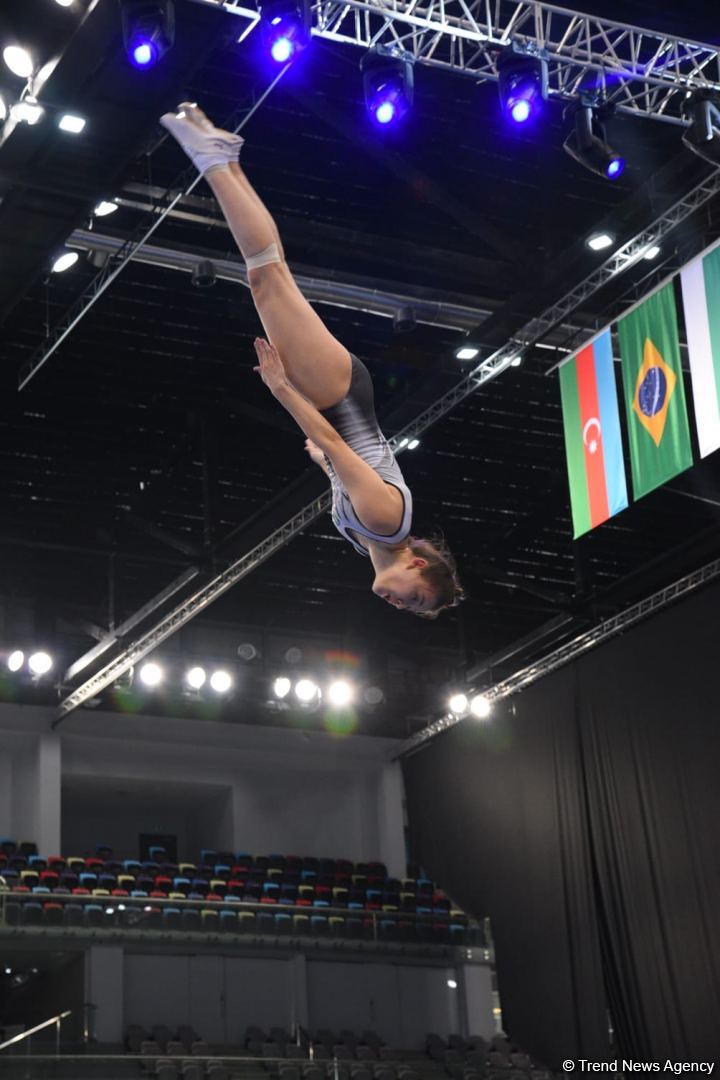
(593, 444)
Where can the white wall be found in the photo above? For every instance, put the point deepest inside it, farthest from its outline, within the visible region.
(244, 787)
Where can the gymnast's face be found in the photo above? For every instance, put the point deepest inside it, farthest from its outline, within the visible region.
(403, 585)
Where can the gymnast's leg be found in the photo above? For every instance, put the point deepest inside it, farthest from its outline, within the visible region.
(315, 362)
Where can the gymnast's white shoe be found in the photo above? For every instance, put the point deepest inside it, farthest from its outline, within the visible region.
(207, 147)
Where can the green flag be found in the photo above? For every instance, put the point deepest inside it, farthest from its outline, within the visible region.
(654, 393)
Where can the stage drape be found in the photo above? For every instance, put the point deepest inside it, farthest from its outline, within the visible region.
(584, 819)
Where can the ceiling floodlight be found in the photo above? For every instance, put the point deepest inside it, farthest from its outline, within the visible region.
(600, 241)
(652, 252)
(19, 60)
(15, 660)
(306, 689)
(64, 262)
(466, 353)
(27, 111)
(221, 681)
(195, 678)
(458, 704)
(281, 686)
(480, 707)
(151, 674)
(40, 663)
(340, 693)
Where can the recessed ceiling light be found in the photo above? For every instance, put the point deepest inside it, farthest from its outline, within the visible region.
(600, 241)
(104, 208)
(72, 123)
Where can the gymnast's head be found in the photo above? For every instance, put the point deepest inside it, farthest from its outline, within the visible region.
(422, 579)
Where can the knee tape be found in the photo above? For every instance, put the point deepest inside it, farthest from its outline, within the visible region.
(269, 255)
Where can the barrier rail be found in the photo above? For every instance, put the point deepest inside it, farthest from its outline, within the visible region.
(56, 1020)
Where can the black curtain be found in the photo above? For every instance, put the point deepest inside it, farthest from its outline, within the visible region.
(584, 820)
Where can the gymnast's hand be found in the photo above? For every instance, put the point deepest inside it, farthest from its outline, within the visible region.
(270, 366)
(315, 453)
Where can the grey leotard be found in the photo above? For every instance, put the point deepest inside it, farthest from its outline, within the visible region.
(355, 421)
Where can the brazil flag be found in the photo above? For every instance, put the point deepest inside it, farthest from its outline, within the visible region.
(654, 393)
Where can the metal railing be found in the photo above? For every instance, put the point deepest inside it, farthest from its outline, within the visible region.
(140, 906)
(56, 1020)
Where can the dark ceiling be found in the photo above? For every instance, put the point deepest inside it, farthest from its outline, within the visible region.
(146, 445)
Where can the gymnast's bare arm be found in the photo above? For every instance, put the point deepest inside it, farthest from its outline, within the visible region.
(378, 505)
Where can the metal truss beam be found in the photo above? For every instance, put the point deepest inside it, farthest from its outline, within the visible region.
(188, 609)
(184, 185)
(641, 72)
(373, 300)
(571, 650)
(619, 262)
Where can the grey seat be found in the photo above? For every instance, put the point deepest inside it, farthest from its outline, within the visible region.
(162, 1035)
(289, 1072)
(361, 1072)
(365, 1053)
(165, 1069)
(175, 1048)
(150, 1048)
(342, 1052)
(311, 1071)
(191, 1070)
(295, 1052)
(217, 1070)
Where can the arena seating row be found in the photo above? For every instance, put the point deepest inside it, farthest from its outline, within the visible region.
(279, 879)
(345, 1056)
(106, 914)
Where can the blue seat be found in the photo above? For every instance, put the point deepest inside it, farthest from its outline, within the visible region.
(88, 880)
(283, 922)
(31, 913)
(228, 921)
(171, 918)
(94, 915)
(131, 866)
(271, 889)
(191, 919)
(40, 889)
(321, 903)
(318, 925)
(73, 915)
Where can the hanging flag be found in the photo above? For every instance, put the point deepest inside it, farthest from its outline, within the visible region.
(654, 393)
(701, 301)
(593, 445)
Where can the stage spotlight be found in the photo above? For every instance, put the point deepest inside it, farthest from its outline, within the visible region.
(652, 252)
(388, 85)
(403, 442)
(281, 687)
(19, 60)
(3, 109)
(452, 984)
(195, 678)
(65, 3)
(516, 360)
(413, 444)
(466, 353)
(151, 674)
(40, 663)
(15, 660)
(522, 82)
(703, 134)
(104, 208)
(221, 681)
(458, 704)
(306, 690)
(588, 145)
(285, 28)
(72, 123)
(340, 693)
(64, 262)
(148, 30)
(480, 707)
(600, 241)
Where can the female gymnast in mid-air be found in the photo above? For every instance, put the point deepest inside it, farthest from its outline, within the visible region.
(326, 389)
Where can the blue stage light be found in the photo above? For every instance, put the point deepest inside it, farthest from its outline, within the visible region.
(522, 82)
(387, 85)
(520, 110)
(281, 50)
(385, 112)
(143, 54)
(587, 143)
(615, 167)
(148, 30)
(285, 28)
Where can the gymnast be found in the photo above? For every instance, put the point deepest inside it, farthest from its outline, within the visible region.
(326, 389)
